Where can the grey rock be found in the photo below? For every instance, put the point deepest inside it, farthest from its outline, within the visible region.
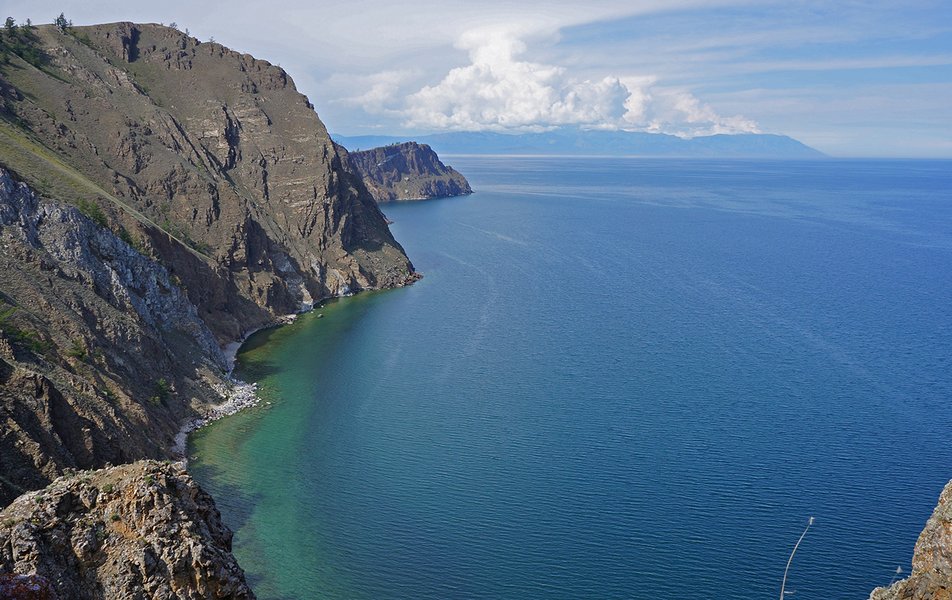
(159, 536)
(407, 171)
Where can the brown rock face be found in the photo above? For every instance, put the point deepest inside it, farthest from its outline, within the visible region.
(159, 197)
(139, 531)
(408, 171)
(101, 353)
(185, 194)
(931, 577)
(209, 158)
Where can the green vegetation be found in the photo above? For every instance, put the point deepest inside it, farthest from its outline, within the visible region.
(5, 314)
(114, 517)
(22, 42)
(178, 232)
(78, 351)
(25, 338)
(163, 389)
(51, 177)
(125, 236)
(81, 36)
(92, 210)
(107, 489)
(62, 23)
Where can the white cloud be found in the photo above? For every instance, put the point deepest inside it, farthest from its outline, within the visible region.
(681, 113)
(500, 91)
(376, 92)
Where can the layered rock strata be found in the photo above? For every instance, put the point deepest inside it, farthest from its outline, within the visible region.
(180, 194)
(407, 171)
(208, 158)
(102, 356)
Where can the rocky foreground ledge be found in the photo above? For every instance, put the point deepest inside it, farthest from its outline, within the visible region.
(144, 530)
(931, 577)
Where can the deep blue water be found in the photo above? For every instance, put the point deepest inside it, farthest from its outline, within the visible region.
(619, 378)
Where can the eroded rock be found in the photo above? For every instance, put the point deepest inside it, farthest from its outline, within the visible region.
(144, 530)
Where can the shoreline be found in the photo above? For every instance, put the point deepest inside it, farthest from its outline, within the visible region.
(236, 394)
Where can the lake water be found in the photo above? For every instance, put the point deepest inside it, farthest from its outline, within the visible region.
(619, 378)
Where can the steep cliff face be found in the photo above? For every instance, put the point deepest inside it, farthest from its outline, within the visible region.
(407, 171)
(159, 197)
(209, 158)
(139, 531)
(931, 577)
(195, 196)
(101, 353)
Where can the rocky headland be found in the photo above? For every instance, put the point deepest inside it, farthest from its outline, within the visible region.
(160, 197)
(407, 171)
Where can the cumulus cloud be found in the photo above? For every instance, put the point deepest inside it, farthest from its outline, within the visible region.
(378, 91)
(498, 90)
(679, 112)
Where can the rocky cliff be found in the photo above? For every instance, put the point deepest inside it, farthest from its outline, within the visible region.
(931, 577)
(407, 171)
(102, 356)
(138, 531)
(207, 158)
(159, 198)
(185, 194)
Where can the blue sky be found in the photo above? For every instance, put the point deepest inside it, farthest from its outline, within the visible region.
(851, 78)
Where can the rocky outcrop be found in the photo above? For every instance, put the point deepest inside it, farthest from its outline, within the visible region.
(102, 355)
(210, 159)
(189, 195)
(159, 198)
(931, 577)
(139, 531)
(407, 171)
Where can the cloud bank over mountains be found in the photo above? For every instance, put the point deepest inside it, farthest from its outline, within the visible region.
(860, 78)
(501, 91)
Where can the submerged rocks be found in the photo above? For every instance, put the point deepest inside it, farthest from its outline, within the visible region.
(237, 395)
(144, 530)
(159, 197)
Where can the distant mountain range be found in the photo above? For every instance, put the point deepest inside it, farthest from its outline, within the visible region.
(567, 141)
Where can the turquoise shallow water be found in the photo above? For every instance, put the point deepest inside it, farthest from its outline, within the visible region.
(618, 379)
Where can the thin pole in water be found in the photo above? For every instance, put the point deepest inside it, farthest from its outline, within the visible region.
(783, 586)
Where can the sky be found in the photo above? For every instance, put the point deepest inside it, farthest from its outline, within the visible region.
(848, 77)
